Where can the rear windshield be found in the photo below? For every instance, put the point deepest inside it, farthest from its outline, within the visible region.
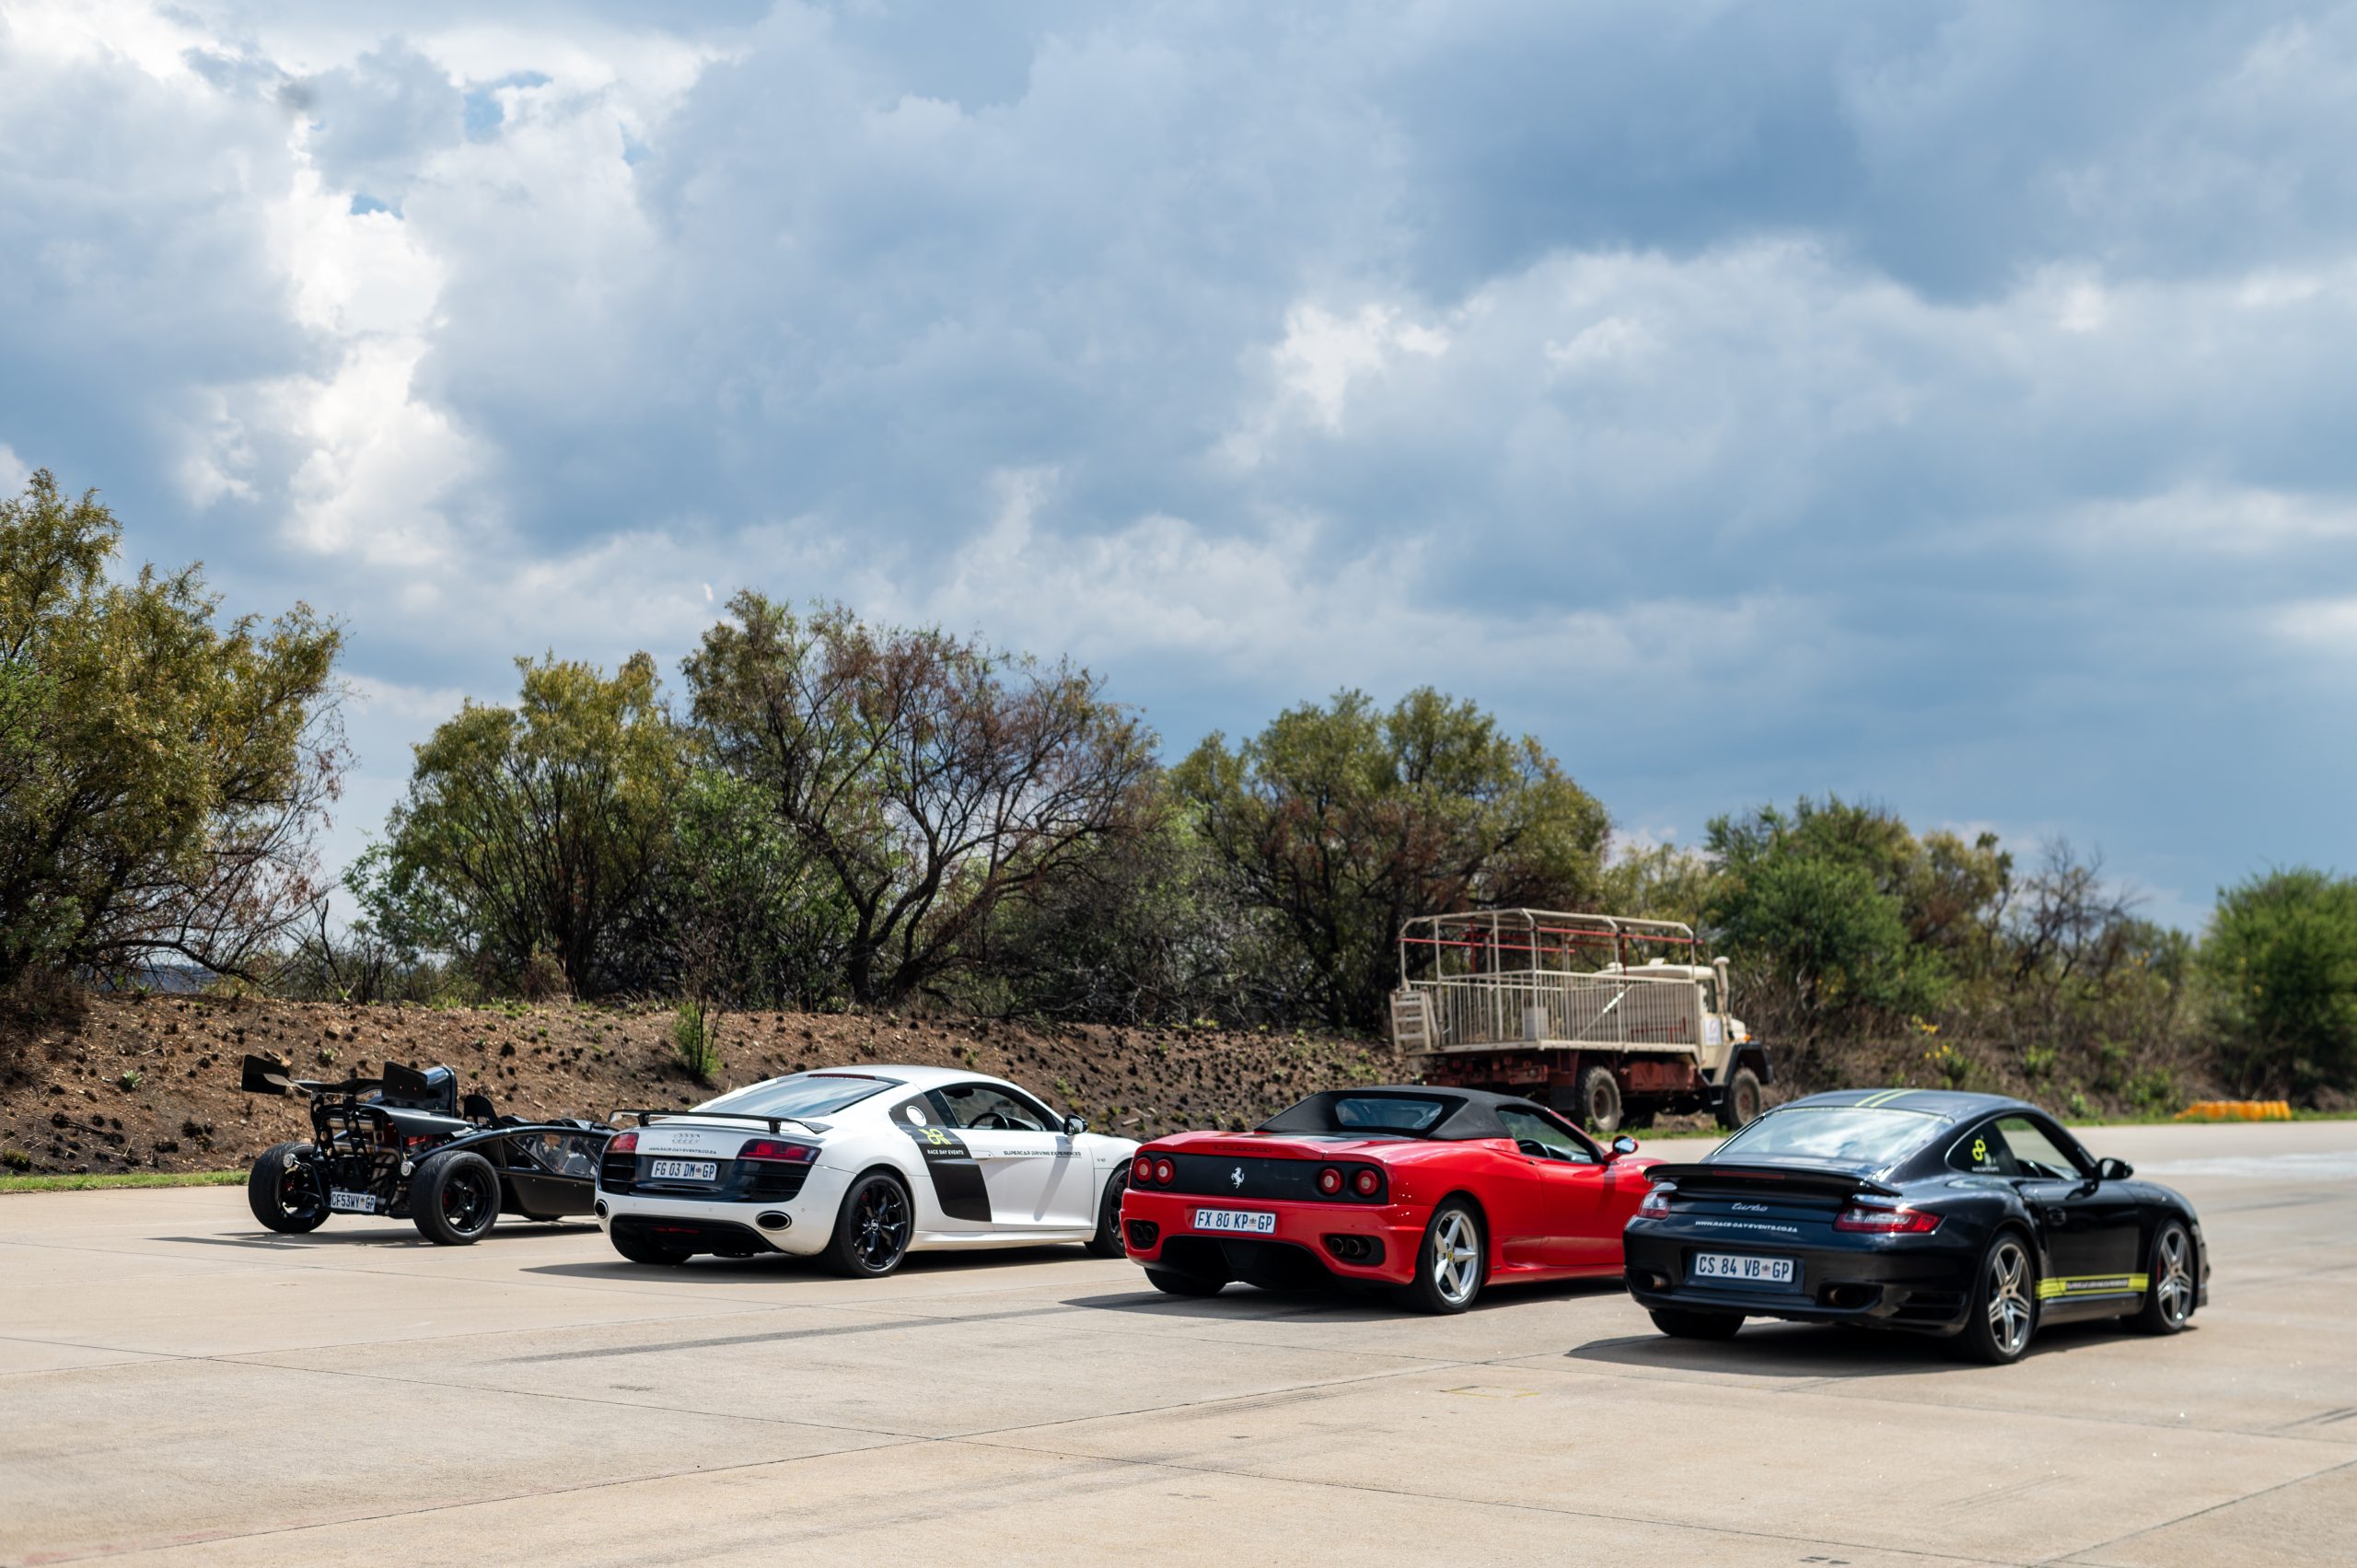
(804, 1093)
(1835, 1135)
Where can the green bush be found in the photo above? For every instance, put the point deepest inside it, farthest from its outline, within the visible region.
(2280, 959)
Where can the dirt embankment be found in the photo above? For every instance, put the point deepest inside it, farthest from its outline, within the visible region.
(151, 1084)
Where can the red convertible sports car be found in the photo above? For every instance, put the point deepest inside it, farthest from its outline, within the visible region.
(1436, 1191)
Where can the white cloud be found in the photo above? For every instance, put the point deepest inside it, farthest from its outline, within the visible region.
(15, 473)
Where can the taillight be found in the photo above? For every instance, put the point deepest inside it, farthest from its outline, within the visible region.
(1144, 1169)
(778, 1150)
(1656, 1203)
(1886, 1222)
(622, 1143)
(1163, 1172)
(1329, 1182)
(1367, 1182)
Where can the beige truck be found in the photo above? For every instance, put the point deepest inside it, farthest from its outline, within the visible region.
(1583, 1012)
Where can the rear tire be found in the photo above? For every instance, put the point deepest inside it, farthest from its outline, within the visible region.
(1170, 1281)
(454, 1199)
(638, 1249)
(2003, 1316)
(283, 1193)
(1685, 1325)
(2169, 1295)
(1740, 1104)
(1106, 1242)
(1601, 1099)
(1452, 1261)
(871, 1229)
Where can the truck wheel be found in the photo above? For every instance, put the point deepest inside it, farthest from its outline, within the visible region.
(1601, 1099)
(283, 1193)
(455, 1199)
(1740, 1104)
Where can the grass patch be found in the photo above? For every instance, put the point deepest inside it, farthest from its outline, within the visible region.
(125, 1178)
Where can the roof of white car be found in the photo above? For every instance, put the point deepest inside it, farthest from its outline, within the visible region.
(913, 1076)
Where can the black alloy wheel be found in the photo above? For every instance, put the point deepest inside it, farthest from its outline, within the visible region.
(1106, 1242)
(284, 1192)
(454, 1199)
(872, 1229)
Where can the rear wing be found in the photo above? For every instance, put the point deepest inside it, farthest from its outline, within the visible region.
(1816, 1180)
(260, 1075)
(774, 1123)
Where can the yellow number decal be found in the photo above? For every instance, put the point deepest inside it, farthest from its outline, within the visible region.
(1979, 1151)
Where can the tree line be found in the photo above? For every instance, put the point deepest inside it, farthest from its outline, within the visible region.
(822, 812)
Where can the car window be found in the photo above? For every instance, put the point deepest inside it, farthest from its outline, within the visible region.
(1387, 1113)
(1983, 1151)
(1539, 1134)
(566, 1154)
(2012, 1145)
(1872, 1136)
(987, 1109)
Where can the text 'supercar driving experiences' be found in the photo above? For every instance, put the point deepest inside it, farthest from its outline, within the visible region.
(1967, 1215)
(860, 1168)
(1437, 1191)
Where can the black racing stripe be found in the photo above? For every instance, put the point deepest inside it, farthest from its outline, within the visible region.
(949, 1165)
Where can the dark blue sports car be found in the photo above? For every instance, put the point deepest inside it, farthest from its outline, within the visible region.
(1967, 1215)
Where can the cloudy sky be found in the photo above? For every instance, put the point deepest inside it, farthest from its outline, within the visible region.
(1945, 405)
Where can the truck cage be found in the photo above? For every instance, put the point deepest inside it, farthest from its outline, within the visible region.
(1548, 979)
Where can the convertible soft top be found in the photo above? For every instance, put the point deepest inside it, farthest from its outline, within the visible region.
(1463, 1114)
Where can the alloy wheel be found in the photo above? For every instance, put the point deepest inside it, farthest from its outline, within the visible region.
(464, 1202)
(2009, 1302)
(1456, 1257)
(882, 1224)
(2174, 1287)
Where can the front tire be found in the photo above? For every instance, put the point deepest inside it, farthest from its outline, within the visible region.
(455, 1199)
(1684, 1325)
(1601, 1099)
(1106, 1242)
(2003, 1316)
(1451, 1262)
(284, 1192)
(1740, 1104)
(2169, 1295)
(871, 1229)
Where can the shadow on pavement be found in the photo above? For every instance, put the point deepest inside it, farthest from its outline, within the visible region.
(1805, 1351)
(716, 1270)
(403, 1235)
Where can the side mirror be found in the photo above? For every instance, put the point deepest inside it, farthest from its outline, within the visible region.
(1624, 1144)
(1076, 1125)
(2114, 1170)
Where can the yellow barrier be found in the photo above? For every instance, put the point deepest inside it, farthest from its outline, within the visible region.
(2237, 1111)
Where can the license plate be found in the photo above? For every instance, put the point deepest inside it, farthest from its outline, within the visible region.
(345, 1202)
(1742, 1270)
(686, 1170)
(1244, 1220)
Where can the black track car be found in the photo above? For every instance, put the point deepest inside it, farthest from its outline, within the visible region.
(1968, 1215)
(406, 1145)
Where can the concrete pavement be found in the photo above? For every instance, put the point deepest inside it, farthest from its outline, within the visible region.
(177, 1385)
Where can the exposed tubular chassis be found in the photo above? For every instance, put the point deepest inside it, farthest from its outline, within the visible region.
(377, 1144)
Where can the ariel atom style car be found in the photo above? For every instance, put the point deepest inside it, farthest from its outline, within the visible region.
(860, 1167)
(406, 1145)
(1969, 1215)
(1438, 1191)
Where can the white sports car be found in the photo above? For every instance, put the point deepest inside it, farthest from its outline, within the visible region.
(859, 1166)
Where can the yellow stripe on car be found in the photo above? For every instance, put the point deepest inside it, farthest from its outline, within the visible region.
(2093, 1284)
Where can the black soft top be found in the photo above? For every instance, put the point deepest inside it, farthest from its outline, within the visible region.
(1464, 1113)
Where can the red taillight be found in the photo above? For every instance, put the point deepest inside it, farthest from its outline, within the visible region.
(1329, 1182)
(622, 1143)
(778, 1150)
(1886, 1222)
(1144, 1169)
(1163, 1171)
(1656, 1203)
(1365, 1182)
